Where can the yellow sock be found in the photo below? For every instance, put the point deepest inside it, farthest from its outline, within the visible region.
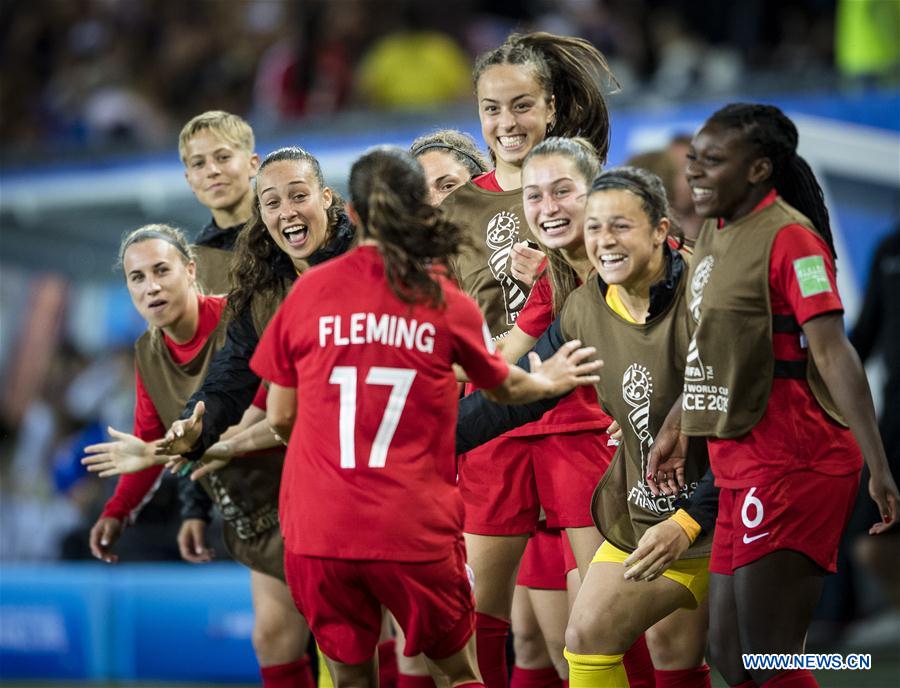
(324, 676)
(596, 671)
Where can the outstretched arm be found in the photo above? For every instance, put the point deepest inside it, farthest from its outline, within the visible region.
(843, 373)
(481, 420)
(226, 392)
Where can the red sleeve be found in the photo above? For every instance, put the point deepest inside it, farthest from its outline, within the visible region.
(801, 275)
(259, 401)
(147, 423)
(132, 491)
(473, 347)
(537, 313)
(136, 488)
(274, 358)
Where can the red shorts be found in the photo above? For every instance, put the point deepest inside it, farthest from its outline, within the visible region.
(802, 511)
(505, 482)
(341, 600)
(547, 559)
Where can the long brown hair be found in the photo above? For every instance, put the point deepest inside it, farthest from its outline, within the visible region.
(258, 266)
(389, 193)
(563, 277)
(570, 71)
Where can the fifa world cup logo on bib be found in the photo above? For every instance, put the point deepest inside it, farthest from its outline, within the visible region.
(502, 232)
(694, 369)
(637, 387)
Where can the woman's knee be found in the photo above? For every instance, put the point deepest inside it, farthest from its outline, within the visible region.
(597, 634)
(278, 639)
(529, 646)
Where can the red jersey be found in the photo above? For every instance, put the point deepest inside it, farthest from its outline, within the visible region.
(578, 410)
(370, 471)
(135, 489)
(794, 432)
(487, 181)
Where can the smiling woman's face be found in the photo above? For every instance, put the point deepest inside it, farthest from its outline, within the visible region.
(294, 207)
(553, 195)
(620, 239)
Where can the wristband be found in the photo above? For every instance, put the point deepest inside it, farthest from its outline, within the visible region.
(689, 525)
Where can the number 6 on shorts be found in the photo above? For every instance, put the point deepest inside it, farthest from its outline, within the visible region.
(757, 505)
(400, 380)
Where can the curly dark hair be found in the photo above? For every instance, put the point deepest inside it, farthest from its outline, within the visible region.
(389, 193)
(258, 265)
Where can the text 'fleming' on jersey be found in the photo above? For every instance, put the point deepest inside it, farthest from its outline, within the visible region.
(369, 328)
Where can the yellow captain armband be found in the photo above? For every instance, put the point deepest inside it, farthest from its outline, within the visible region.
(690, 526)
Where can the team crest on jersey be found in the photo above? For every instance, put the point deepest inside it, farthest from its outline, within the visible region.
(502, 233)
(698, 284)
(637, 388)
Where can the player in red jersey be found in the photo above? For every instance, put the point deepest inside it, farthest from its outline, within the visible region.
(789, 481)
(185, 330)
(378, 364)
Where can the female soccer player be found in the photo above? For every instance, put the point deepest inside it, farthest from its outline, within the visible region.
(556, 176)
(785, 405)
(299, 222)
(450, 158)
(633, 311)
(378, 363)
(531, 86)
(186, 329)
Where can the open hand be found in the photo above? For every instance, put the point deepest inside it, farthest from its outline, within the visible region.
(658, 548)
(215, 459)
(127, 454)
(567, 369)
(183, 434)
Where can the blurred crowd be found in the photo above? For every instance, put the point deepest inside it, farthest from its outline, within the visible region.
(130, 71)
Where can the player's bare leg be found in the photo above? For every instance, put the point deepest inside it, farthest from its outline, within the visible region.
(679, 640)
(363, 675)
(724, 635)
(495, 560)
(775, 597)
(280, 633)
(458, 669)
(408, 666)
(539, 620)
(584, 543)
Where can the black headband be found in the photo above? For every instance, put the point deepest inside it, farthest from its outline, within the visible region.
(606, 183)
(444, 146)
(144, 234)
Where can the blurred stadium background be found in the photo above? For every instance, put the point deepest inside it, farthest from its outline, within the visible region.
(92, 96)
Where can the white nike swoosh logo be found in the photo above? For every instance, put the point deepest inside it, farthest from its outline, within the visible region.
(748, 540)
